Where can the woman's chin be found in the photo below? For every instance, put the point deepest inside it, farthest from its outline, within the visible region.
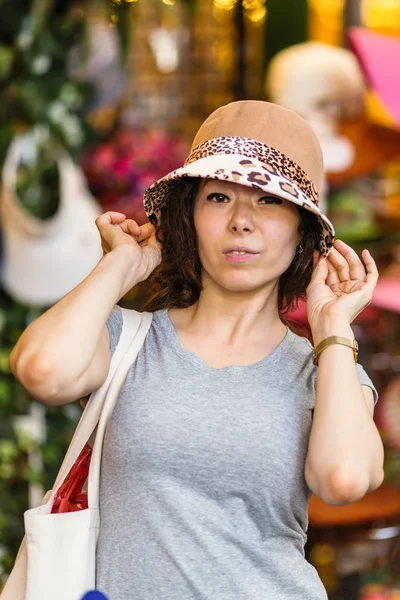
(240, 280)
(240, 283)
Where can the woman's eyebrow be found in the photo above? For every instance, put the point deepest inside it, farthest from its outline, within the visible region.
(214, 189)
(217, 184)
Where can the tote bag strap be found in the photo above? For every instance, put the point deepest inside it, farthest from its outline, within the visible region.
(131, 339)
(112, 396)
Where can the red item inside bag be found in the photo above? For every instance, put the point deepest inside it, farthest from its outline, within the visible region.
(70, 497)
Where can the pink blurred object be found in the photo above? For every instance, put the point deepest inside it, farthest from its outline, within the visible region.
(119, 170)
(388, 412)
(379, 56)
(299, 316)
(387, 294)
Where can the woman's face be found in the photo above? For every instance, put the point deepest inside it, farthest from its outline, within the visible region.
(246, 238)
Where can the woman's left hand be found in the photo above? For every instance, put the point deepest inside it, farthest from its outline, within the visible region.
(340, 287)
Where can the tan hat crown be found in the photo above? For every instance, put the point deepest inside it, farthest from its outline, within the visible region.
(273, 126)
(258, 145)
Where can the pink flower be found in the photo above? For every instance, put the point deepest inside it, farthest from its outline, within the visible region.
(121, 169)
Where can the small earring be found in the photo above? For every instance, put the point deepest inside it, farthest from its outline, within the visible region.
(299, 249)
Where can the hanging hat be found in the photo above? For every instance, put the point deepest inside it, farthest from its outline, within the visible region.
(257, 144)
(44, 259)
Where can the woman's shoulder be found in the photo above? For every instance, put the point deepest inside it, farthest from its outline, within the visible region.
(300, 345)
(115, 324)
(304, 349)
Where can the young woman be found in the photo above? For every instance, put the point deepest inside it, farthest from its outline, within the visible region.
(225, 425)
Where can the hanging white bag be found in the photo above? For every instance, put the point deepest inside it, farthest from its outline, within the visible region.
(44, 259)
(57, 557)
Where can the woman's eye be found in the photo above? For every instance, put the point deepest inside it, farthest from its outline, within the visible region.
(217, 197)
(270, 200)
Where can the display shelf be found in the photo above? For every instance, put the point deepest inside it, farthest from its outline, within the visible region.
(382, 504)
(375, 147)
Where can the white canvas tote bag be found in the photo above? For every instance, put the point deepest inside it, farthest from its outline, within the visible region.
(57, 557)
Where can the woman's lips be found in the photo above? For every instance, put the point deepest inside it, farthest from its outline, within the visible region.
(240, 257)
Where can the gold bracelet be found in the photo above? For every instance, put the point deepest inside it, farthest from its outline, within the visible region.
(335, 339)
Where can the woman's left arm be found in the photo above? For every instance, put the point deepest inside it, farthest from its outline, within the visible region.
(345, 453)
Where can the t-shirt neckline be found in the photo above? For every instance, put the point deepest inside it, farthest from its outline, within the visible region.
(196, 361)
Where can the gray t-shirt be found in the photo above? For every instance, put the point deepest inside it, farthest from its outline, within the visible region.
(202, 492)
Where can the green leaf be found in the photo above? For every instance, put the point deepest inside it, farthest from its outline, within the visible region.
(7, 55)
(4, 361)
(5, 392)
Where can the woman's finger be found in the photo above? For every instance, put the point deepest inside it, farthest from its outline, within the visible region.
(356, 268)
(110, 218)
(333, 277)
(339, 263)
(320, 272)
(130, 227)
(140, 233)
(145, 232)
(110, 229)
(372, 271)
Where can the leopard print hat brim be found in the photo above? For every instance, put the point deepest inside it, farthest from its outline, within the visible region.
(272, 172)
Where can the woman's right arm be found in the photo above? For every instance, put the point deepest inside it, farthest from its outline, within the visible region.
(64, 354)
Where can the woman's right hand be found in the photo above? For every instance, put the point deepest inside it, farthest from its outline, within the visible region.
(119, 234)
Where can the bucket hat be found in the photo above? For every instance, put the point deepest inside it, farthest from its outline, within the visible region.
(257, 144)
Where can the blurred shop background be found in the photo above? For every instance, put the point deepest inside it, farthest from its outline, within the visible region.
(99, 98)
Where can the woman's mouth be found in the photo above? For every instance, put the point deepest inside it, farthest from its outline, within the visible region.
(240, 255)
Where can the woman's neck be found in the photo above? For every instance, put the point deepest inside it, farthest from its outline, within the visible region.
(232, 318)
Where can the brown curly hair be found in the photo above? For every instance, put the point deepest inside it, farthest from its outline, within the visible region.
(176, 283)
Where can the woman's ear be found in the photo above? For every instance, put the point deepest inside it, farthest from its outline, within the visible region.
(302, 227)
(301, 236)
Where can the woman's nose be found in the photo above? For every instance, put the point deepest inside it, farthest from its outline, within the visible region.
(242, 219)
